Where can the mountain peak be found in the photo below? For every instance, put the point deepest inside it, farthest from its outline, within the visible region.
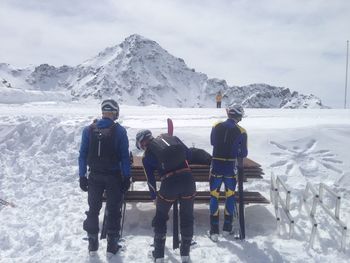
(137, 42)
(136, 38)
(133, 46)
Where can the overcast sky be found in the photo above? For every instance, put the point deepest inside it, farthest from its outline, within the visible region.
(298, 44)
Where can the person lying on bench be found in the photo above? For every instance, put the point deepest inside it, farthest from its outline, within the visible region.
(168, 155)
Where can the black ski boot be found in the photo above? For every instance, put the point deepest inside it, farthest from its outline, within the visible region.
(112, 244)
(214, 228)
(93, 243)
(227, 228)
(159, 245)
(185, 249)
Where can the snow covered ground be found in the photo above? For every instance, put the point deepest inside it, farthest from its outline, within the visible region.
(39, 145)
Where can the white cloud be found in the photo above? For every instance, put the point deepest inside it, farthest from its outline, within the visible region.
(299, 44)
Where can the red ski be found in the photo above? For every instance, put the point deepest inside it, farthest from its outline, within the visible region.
(170, 127)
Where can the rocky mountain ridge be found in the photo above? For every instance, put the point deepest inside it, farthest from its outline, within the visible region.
(140, 72)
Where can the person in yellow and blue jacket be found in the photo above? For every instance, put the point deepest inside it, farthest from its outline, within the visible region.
(229, 142)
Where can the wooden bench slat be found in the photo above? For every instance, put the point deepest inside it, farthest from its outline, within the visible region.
(199, 176)
(247, 163)
(203, 170)
(201, 197)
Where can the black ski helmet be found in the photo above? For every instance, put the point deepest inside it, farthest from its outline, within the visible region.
(140, 136)
(110, 105)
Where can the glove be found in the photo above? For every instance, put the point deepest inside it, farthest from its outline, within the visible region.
(83, 183)
(126, 184)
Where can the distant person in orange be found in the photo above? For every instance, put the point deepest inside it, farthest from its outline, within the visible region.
(218, 99)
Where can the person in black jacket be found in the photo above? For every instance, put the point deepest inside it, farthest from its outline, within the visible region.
(105, 149)
(168, 155)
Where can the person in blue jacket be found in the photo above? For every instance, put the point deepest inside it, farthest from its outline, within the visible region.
(105, 150)
(229, 142)
(169, 156)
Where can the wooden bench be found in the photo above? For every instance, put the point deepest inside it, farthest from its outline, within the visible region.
(252, 170)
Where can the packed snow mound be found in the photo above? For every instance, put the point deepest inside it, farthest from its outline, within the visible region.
(140, 72)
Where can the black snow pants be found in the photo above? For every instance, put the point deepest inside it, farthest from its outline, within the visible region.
(98, 183)
(179, 187)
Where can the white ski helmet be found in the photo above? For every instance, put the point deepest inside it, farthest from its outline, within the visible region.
(140, 136)
(235, 111)
(110, 105)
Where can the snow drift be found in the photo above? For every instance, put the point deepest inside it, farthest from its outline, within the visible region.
(39, 145)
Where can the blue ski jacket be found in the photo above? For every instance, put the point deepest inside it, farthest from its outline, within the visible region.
(239, 149)
(121, 147)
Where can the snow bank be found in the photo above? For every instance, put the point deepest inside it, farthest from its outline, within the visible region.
(14, 95)
(39, 145)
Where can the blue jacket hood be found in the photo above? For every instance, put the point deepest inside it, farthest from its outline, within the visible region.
(104, 123)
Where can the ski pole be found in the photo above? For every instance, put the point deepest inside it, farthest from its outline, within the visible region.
(176, 240)
(241, 198)
(104, 224)
(131, 157)
(123, 216)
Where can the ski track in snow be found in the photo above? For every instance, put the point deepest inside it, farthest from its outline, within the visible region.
(38, 172)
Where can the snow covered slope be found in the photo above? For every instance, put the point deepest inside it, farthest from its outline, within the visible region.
(140, 72)
(39, 145)
(9, 94)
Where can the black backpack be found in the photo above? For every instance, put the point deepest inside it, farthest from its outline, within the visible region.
(169, 151)
(102, 154)
(224, 140)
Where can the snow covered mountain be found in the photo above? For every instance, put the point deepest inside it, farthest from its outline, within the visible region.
(140, 72)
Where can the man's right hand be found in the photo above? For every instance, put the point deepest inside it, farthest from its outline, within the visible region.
(83, 183)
